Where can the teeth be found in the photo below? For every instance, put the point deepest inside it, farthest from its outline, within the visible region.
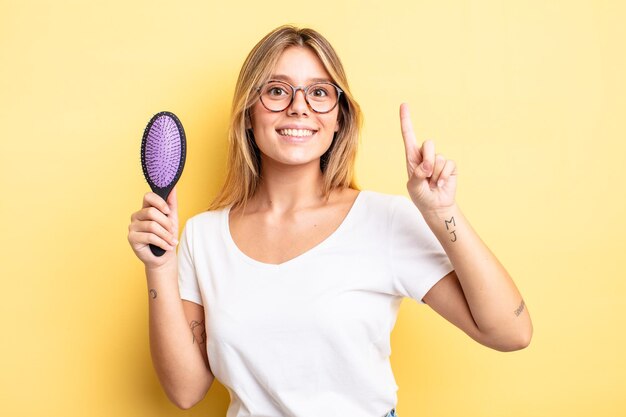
(295, 132)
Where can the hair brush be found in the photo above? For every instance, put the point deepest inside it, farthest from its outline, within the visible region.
(163, 150)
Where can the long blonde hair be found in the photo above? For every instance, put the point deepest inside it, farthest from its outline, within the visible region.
(244, 162)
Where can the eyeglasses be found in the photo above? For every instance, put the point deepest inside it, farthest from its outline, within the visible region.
(321, 97)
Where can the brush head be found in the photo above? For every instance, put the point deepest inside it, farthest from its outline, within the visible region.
(163, 151)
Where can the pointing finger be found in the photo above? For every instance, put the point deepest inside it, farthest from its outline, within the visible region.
(407, 129)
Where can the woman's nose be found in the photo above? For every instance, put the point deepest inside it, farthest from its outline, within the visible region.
(299, 104)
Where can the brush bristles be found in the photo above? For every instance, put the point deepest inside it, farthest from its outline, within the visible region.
(163, 151)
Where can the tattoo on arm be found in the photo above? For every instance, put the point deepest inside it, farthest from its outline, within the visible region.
(452, 232)
(519, 309)
(153, 293)
(198, 331)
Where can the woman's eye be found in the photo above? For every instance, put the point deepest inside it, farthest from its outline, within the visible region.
(276, 91)
(319, 92)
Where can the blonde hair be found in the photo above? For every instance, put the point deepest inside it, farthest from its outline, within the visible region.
(244, 162)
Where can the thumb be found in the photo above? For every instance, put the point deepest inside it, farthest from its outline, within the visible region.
(172, 202)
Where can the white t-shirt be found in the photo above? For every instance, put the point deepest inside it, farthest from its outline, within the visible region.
(310, 337)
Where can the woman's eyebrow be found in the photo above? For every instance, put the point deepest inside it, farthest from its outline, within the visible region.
(288, 78)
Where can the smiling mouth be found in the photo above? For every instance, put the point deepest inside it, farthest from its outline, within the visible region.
(296, 133)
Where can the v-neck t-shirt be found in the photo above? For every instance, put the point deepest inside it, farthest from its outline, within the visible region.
(310, 337)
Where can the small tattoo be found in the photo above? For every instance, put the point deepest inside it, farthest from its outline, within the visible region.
(198, 331)
(452, 232)
(519, 309)
(153, 293)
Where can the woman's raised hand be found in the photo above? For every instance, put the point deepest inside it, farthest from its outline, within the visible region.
(432, 177)
(155, 223)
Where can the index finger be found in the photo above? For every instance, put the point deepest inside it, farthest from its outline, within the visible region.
(152, 199)
(407, 128)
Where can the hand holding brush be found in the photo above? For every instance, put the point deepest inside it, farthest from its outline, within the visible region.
(163, 153)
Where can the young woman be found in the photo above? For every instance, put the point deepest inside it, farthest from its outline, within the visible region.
(287, 289)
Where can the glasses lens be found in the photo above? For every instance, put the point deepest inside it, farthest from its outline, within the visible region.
(322, 97)
(276, 95)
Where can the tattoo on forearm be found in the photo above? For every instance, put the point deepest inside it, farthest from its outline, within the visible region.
(198, 331)
(153, 293)
(519, 309)
(452, 232)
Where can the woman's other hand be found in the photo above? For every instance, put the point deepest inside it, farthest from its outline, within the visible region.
(432, 177)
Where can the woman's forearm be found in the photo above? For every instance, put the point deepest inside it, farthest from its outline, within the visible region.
(177, 360)
(494, 301)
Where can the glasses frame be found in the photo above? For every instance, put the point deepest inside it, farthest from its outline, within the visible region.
(305, 90)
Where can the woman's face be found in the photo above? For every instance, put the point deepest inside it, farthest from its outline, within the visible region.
(296, 135)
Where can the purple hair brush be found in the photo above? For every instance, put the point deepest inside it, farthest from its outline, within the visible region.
(163, 150)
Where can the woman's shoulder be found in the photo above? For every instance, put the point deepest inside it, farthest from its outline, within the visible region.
(378, 206)
(383, 201)
(207, 217)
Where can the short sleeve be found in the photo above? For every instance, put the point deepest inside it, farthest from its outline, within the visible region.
(187, 277)
(418, 260)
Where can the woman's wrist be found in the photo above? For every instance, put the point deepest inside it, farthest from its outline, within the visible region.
(446, 223)
(435, 216)
(168, 268)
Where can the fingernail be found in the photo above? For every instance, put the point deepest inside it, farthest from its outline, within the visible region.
(440, 183)
(175, 241)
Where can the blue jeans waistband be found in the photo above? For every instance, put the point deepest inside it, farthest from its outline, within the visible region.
(391, 413)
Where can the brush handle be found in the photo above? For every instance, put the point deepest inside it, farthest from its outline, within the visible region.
(156, 251)
(163, 193)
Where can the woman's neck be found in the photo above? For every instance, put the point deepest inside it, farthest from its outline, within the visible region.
(286, 188)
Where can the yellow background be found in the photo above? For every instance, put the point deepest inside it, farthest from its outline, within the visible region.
(528, 97)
